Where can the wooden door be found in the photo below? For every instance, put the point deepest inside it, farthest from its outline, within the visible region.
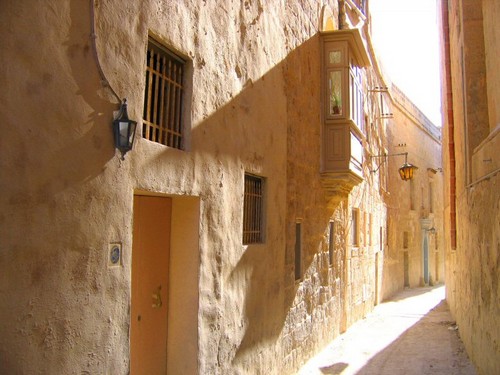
(426, 260)
(406, 269)
(149, 306)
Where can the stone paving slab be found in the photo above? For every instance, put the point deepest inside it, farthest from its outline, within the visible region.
(413, 333)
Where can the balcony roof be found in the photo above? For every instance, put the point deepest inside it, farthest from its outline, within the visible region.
(356, 43)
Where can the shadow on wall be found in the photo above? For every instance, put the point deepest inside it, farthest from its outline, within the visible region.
(52, 149)
(270, 122)
(91, 148)
(58, 148)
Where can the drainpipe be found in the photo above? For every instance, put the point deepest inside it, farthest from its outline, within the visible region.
(93, 37)
(342, 15)
(448, 92)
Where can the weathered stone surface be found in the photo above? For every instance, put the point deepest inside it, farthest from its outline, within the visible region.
(416, 206)
(471, 131)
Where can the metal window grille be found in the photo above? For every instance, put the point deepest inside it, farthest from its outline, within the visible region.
(253, 207)
(355, 227)
(162, 118)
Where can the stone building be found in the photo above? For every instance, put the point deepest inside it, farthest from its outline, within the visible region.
(471, 144)
(415, 243)
(243, 230)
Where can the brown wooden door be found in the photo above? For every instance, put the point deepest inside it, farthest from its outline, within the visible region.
(406, 265)
(149, 306)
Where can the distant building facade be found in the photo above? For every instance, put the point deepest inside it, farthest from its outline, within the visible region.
(471, 144)
(415, 253)
(245, 228)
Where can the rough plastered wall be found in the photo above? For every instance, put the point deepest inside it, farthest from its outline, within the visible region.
(66, 194)
(472, 268)
(414, 206)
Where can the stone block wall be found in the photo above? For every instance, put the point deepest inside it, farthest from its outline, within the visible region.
(471, 127)
(416, 206)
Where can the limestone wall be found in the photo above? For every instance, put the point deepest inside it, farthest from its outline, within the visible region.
(473, 265)
(415, 208)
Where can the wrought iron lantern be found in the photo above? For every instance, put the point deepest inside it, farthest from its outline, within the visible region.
(406, 171)
(124, 130)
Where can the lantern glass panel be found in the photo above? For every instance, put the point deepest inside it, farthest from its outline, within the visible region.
(123, 130)
(131, 134)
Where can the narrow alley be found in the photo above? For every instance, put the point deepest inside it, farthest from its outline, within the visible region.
(231, 187)
(413, 333)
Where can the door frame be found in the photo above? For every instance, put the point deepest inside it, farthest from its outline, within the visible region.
(182, 336)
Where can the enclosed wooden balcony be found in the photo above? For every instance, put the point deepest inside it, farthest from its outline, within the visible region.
(344, 56)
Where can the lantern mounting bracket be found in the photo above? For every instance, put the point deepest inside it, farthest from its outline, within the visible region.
(406, 170)
(384, 157)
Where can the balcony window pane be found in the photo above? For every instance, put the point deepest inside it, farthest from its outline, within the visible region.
(335, 92)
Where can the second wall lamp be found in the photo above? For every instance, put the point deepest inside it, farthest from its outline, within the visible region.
(406, 171)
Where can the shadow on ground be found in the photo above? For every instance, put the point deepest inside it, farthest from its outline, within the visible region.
(431, 346)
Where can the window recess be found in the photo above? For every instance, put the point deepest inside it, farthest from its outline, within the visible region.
(164, 95)
(354, 228)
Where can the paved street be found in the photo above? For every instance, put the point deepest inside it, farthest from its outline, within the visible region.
(411, 334)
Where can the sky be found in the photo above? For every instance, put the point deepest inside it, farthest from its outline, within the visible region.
(405, 35)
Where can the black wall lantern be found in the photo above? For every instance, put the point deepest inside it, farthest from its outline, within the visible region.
(124, 130)
(405, 171)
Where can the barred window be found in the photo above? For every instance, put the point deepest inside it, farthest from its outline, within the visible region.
(253, 209)
(354, 232)
(163, 99)
(331, 242)
(298, 250)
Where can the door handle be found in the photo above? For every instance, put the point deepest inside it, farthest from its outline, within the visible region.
(157, 299)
